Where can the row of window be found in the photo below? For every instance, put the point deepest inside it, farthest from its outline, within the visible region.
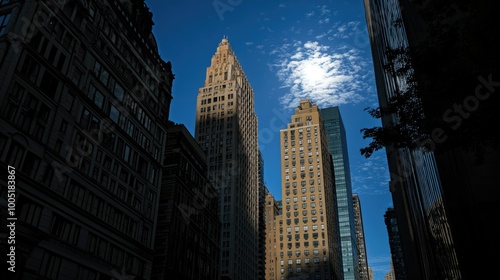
(304, 198)
(95, 205)
(294, 156)
(304, 228)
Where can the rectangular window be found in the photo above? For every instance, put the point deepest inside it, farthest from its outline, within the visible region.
(96, 96)
(4, 20)
(49, 84)
(118, 91)
(65, 230)
(30, 212)
(50, 266)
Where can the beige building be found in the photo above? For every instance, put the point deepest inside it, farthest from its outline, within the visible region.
(226, 128)
(308, 229)
(390, 274)
(360, 236)
(272, 218)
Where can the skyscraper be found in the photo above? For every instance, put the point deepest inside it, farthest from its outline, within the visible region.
(84, 102)
(337, 146)
(273, 217)
(397, 261)
(360, 236)
(308, 230)
(188, 231)
(226, 128)
(443, 195)
(263, 191)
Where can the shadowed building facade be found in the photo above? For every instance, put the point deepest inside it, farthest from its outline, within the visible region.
(308, 230)
(84, 99)
(445, 195)
(397, 260)
(188, 228)
(226, 128)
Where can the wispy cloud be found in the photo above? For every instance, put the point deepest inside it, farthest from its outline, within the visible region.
(380, 264)
(324, 21)
(328, 76)
(371, 175)
(248, 43)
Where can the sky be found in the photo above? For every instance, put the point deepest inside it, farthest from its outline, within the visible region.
(289, 50)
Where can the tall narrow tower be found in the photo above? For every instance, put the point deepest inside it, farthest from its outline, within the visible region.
(226, 128)
(308, 231)
(364, 274)
(337, 145)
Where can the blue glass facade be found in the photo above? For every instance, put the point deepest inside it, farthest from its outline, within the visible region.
(337, 146)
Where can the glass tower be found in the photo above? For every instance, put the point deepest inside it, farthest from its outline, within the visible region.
(337, 146)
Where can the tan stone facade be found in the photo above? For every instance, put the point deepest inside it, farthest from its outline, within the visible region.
(272, 218)
(308, 230)
(226, 128)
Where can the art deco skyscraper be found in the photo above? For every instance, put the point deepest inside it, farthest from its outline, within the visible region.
(337, 146)
(226, 128)
(308, 233)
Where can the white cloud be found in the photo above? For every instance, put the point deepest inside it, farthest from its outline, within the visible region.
(281, 5)
(324, 10)
(327, 76)
(324, 21)
(248, 43)
(380, 264)
(308, 15)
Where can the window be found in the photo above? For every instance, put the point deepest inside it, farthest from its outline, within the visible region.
(114, 114)
(30, 212)
(50, 266)
(16, 154)
(4, 20)
(31, 164)
(118, 91)
(65, 230)
(49, 84)
(96, 96)
(101, 73)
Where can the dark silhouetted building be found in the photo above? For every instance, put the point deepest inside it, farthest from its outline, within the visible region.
(84, 99)
(188, 227)
(444, 195)
(397, 260)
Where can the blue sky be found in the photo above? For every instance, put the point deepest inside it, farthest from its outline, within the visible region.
(289, 50)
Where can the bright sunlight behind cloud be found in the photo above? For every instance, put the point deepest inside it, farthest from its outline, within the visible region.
(327, 76)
